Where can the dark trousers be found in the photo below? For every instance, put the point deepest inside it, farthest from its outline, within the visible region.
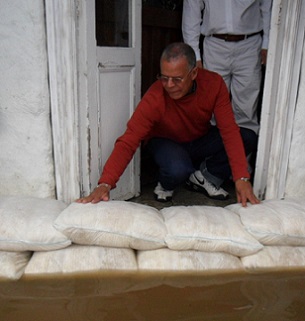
(176, 161)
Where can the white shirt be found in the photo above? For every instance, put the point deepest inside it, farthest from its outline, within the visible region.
(237, 17)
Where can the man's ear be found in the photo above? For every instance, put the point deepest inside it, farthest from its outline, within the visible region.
(194, 72)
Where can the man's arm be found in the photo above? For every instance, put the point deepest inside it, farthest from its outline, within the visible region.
(234, 146)
(138, 128)
(266, 9)
(191, 21)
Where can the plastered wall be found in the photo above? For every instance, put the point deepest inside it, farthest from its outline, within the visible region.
(26, 160)
(295, 186)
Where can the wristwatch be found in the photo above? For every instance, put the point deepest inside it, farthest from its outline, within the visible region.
(245, 179)
(104, 184)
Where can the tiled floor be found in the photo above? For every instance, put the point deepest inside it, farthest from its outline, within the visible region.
(183, 196)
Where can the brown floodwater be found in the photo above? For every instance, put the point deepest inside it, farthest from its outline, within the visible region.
(156, 296)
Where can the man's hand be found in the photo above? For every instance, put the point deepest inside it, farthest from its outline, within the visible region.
(264, 56)
(244, 192)
(101, 193)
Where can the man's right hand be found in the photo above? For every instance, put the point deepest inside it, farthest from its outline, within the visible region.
(100, 193)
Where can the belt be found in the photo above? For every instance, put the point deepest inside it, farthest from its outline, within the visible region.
(234, 38)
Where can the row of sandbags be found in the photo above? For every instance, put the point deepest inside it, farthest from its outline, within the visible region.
(45, 236)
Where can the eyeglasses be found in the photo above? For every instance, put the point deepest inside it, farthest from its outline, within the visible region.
(175, 80)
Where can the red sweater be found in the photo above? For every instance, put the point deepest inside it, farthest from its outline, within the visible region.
(181, 120)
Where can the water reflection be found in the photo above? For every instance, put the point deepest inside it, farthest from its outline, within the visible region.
(277, 295)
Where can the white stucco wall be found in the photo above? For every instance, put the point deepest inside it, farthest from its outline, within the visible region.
(295, 186)
(26, 160)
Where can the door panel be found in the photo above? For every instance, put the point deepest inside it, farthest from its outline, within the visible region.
(116, 103)
(118, 62)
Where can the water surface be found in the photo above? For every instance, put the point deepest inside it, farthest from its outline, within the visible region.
(156, 296)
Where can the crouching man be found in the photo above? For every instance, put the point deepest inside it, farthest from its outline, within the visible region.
(173, 119)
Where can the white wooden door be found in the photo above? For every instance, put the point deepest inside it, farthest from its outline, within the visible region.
(110, 88)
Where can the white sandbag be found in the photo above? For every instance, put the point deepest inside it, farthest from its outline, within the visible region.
(114, 224)
(12, 264)
(207, 228)
(169, 260)
(81, 258)
(276, 257)
(274, 222)
(27, 224)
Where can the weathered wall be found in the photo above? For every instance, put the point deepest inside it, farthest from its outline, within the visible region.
(295, 186)
(26, 160)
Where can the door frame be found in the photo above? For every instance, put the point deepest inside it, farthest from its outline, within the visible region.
(280, 96)
(73, 79)
(89, 114)
(61, 38)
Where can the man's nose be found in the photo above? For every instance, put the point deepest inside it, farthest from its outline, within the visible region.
(170, 82)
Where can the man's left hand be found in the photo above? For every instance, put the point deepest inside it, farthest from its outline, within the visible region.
(244, 193)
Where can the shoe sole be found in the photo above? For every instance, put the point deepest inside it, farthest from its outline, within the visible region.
(162, 200)
(194, 187)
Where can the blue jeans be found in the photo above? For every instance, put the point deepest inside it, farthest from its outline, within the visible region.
(176, 161)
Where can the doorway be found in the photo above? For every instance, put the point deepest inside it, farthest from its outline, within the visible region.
(161, 25)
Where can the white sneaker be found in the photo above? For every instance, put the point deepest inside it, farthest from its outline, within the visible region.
(199, 183)
(162, 195)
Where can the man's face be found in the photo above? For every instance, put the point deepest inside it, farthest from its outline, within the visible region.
(176, 77)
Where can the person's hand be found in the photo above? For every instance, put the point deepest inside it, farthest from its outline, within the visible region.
(244, 193)
(100, 193)
(264, 56)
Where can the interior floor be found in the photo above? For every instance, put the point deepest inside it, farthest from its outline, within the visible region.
(182, 196)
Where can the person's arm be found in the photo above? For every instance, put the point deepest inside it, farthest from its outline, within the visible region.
(191, 21)
(266, 9)
(138, 128)
(234, 146)
(121, 155)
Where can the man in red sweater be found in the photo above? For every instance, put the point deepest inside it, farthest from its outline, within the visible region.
(173, 118)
